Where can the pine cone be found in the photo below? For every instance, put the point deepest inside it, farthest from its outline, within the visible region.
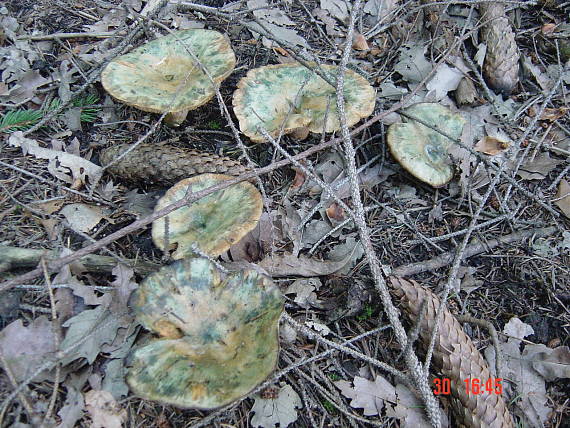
(457, 359)
(166, 165)
(501, 65)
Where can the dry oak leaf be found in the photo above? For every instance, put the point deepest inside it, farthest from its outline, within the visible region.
(104, 410)
(538, 167)
(491, 146)
(551, 363)
(289, 265)
(280, 410)
(368, 395)
(563, 197)
(65, 166)
(25, 349)
(359, 42)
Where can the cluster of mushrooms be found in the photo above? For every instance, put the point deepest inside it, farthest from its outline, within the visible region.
(217, 332)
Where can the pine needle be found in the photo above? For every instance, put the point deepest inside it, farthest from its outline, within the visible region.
(20, 120)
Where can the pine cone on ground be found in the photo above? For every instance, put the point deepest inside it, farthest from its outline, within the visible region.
(166, 165)
(456, 357)
(501, 65)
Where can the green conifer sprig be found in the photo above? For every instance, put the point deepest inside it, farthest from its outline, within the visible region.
(20, 120)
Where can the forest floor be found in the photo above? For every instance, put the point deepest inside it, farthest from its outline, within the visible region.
(493, 242)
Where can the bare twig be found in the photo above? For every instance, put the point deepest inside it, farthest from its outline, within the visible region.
(471, 250)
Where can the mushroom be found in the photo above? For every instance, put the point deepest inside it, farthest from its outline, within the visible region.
(163, 76)
(292, 97)
(422, 151)
(219, 335)
(213, 223)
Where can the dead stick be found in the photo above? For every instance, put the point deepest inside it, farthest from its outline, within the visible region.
(102, 35)
(473, 249)
(15, 257)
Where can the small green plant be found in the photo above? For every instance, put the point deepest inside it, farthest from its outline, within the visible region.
(366, 313)
(329, 406)
(20, 120)
(214, 124)
(334, 377)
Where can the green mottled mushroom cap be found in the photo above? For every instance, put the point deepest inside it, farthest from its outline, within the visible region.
(422, 151)
(214, 223)
(290, 96)
(219, 334)
(162, 75)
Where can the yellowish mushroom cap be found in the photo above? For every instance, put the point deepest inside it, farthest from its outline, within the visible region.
(214, 223)
(422, 151)
(162, 76)
(222, 334)
(290, 96)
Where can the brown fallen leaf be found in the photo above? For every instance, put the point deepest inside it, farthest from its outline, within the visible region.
(299, 179)
(300, 134)
(563, 197)
(359, 42)
(538, 167)
(335, 213)
(289, 265)
(491, 146)
(27, 348)
(552, 114)
(551, 363)
(280, 51)
(83, 217)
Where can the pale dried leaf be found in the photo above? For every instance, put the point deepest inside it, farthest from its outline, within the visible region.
(72, 409)
(412, 64)
(269, 13)
(123, 283)
(304, 290)
(563, 197)
(313, 231)
(64, 166)
(281, 410)
(26, 87)
(104, 410)
(517, 329)
(537, 168)
(318, 327)
(114, 380)
(350, 247)
(551, 363)
(279, 33)
(86, 323)
(288, 265)
(337, 8)
(330, 23)
(27, 348)
(78, 288)
(139, 204)
(379, 8)
(409, 409)
(446, 79)
(529, 384)
(83, 217)
(368, 395)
